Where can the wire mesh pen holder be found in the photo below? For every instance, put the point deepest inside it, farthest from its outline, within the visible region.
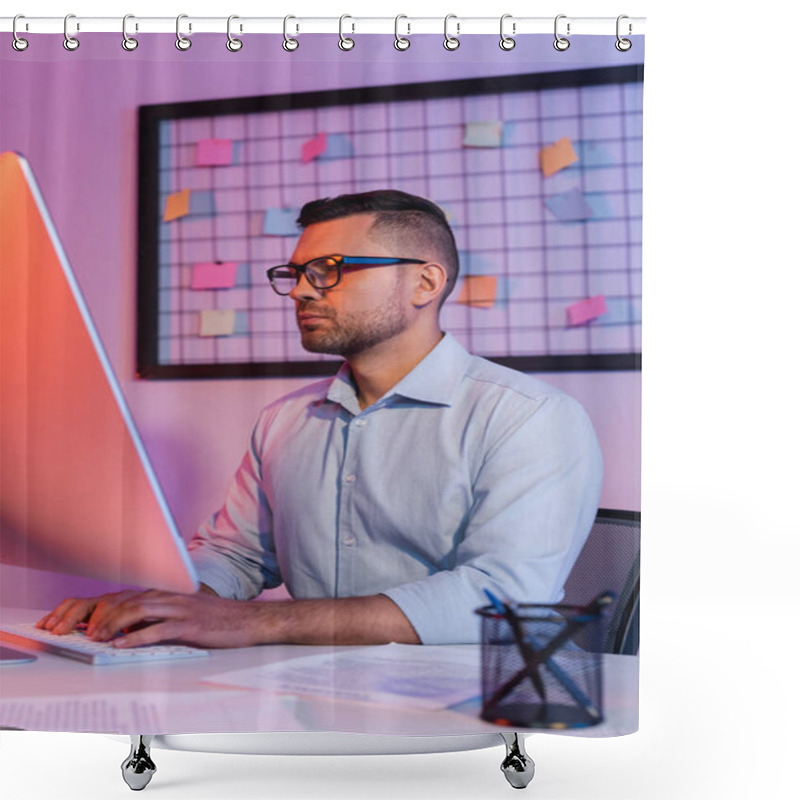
(533, 675)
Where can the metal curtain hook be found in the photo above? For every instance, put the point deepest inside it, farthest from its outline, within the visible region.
(506, 42)
(233, 44)
(289, 44)
(344, 42)
(128, 42)
(451, 42)
(70, 42)
(18, 43)
(560, 43)
(623, 45)
(182, 43)
(400, 42)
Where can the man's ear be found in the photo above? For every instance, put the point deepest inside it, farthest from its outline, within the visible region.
(431, 280)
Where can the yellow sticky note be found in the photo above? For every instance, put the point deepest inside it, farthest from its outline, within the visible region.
(478, 291)
(177, 205)
(215, 322)
(483, 134)
(556, 156)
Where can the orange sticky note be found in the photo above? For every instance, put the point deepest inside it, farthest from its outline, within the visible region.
(177, 205)
(557, 156)
(478, 291)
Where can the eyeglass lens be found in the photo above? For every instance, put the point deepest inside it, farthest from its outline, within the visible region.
(321, 273)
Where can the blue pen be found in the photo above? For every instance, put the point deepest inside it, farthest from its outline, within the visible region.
(526, 651)
(562, 677)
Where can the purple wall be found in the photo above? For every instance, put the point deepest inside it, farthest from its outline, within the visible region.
(73, 115)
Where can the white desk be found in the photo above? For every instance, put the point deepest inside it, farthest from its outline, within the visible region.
(187, 705)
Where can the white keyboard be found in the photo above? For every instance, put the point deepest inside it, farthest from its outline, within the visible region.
(78, 646)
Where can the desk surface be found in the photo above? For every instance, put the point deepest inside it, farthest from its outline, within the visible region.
(60, 694)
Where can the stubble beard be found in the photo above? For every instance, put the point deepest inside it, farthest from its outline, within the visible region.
(349, 334)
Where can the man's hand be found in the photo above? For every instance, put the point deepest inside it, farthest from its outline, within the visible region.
(153, 616)
(73, 611)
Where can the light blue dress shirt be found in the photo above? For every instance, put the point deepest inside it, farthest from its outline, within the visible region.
(466, 475)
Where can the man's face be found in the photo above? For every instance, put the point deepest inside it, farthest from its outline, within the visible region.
(369, 306)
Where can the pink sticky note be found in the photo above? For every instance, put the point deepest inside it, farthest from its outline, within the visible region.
(214, 152)
(214, 276)
(591, 308)
(314, 147)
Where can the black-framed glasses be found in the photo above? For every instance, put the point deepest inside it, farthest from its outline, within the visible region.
(326, 271)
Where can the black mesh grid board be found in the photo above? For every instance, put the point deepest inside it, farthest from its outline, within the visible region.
(540, 176)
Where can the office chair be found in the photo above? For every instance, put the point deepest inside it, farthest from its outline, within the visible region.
(610, 561)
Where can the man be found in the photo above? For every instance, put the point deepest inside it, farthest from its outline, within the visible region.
(389, 497)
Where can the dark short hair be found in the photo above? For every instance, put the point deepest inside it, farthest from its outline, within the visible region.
(419, 225)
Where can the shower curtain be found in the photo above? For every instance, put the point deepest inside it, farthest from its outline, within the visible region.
(169, 178)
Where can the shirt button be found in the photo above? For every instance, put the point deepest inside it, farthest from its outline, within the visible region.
(361, 423)
(350, 478)
(349, 541)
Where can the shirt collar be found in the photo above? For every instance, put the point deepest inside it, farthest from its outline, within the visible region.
(433, 380)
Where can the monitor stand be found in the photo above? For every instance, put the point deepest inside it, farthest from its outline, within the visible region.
(8, 655)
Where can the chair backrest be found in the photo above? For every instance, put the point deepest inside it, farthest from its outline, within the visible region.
(610, 561)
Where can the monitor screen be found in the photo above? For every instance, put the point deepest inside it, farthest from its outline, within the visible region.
(78, 494)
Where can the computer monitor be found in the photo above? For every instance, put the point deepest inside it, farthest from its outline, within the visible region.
(78, 494)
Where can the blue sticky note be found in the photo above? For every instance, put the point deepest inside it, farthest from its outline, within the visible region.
(569, 206)
(600, 205)
(164, 351)
(201, 204)
(281, 222)
(165, 181)
(237, 153)
(165, 136)
(338, 146)
(474, 263)
(592, 154)
(240, 326)
(242, 276)
(619, 311)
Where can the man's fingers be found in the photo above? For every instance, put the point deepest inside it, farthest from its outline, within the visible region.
(52, 616)
(67, 615)
(98, 612)
(146, 618)
(152, 634)
(106, 608)
(141, 608)
(78, 612)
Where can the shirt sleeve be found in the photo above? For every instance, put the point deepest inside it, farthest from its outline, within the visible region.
(535, 498)
(233, 551)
